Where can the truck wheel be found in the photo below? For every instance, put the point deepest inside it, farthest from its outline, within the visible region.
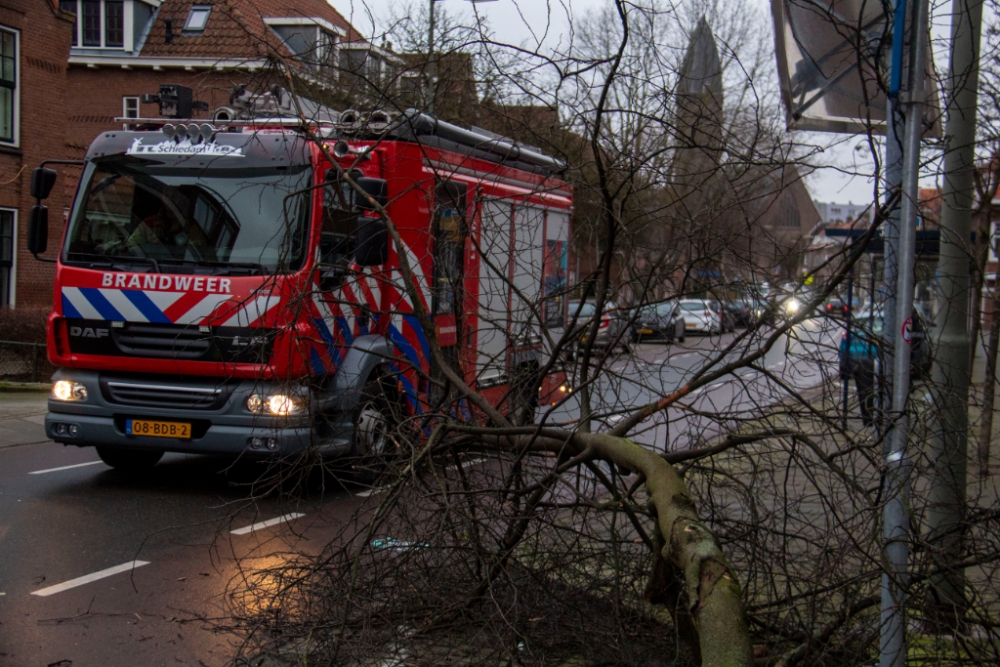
(373, 425)
(129, 459)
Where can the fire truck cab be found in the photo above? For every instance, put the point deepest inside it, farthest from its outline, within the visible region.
(233, 288)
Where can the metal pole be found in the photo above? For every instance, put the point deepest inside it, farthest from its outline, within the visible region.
(431, 83)
(895, 128)
(877, 368)
(892, 638)
(847, 344)
(948, 446)
(897, 464)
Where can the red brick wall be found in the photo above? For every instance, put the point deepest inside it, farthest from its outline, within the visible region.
(97, 94)
(44, 49)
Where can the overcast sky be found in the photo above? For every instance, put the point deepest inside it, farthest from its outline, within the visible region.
(520, 21)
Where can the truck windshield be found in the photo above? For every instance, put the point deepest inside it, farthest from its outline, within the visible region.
(252, 219)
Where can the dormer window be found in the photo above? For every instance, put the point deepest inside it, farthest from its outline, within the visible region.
(312, 40)
(197, 19)
(101, 24)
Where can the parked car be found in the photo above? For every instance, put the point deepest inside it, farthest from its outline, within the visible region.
(835, 307)
(725, 317)
(867, 335)
(740, 312)
(700, 316)
(610, 329)
(658, 321)
(760, 310)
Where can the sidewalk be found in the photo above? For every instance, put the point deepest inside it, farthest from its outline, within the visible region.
(22, 417)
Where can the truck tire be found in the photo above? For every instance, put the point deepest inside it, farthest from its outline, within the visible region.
(129, 459)
(374, 423)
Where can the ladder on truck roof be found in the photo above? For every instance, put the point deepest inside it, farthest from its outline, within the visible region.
(273, 108)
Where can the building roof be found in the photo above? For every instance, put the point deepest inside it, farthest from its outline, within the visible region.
(236, 28)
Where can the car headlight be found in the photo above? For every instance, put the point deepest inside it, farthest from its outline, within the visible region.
(792, 306)
(280, 405)
(66, 390)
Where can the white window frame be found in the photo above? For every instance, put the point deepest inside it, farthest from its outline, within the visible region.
(12, 297)
(125, 100)
(128, 36)
(16, 134)
(199, 8)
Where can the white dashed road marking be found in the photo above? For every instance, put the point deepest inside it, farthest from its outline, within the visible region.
(270, 522)
(86, 579)
(78, 465)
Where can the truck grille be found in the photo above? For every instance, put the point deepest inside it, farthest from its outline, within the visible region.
(171, 341)
(176, 393)
(244, 345)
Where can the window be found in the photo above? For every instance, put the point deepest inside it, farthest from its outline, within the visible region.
(100, 23)
(197, 18)
(326, 48)
(114, 23)
(8, 86)
(130, 109)
(6, 258)
(91, 23)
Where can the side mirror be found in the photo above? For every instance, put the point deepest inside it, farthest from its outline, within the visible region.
(376, 188)
(372, 242)
(38, 227)
(42, 181)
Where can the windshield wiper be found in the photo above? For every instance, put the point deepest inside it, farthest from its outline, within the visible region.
(248, 266)
(110, 261)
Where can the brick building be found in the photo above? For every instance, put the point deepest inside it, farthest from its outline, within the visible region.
(34, 46)
(79, 64)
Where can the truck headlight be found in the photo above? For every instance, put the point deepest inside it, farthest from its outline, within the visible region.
(280, 405)
(66, 390)
(792, 306)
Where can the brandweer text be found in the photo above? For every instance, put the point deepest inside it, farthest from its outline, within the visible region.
(160, 282)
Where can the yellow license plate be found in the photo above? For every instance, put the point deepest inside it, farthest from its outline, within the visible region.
(157, 429)
(645, 331)
(690, 325)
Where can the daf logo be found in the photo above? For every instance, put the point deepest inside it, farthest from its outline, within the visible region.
(88, 332)
(247, 341)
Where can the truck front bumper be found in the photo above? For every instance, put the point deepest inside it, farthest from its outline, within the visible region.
(222, 425)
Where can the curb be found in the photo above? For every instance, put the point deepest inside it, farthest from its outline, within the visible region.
(25, 386)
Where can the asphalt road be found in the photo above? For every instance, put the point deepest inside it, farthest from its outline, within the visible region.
(798, 361)
(100, 568)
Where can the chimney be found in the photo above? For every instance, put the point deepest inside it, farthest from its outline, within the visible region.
(169, 22)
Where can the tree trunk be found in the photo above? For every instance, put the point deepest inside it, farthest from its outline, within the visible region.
(989, 386)
(690, 573)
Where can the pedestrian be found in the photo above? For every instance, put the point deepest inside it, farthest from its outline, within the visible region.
(863, 372)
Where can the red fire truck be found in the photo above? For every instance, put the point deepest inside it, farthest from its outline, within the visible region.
(224, 288)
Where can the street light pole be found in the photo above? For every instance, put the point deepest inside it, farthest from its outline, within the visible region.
(431, 90)
(896, 520)
(431, 83)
